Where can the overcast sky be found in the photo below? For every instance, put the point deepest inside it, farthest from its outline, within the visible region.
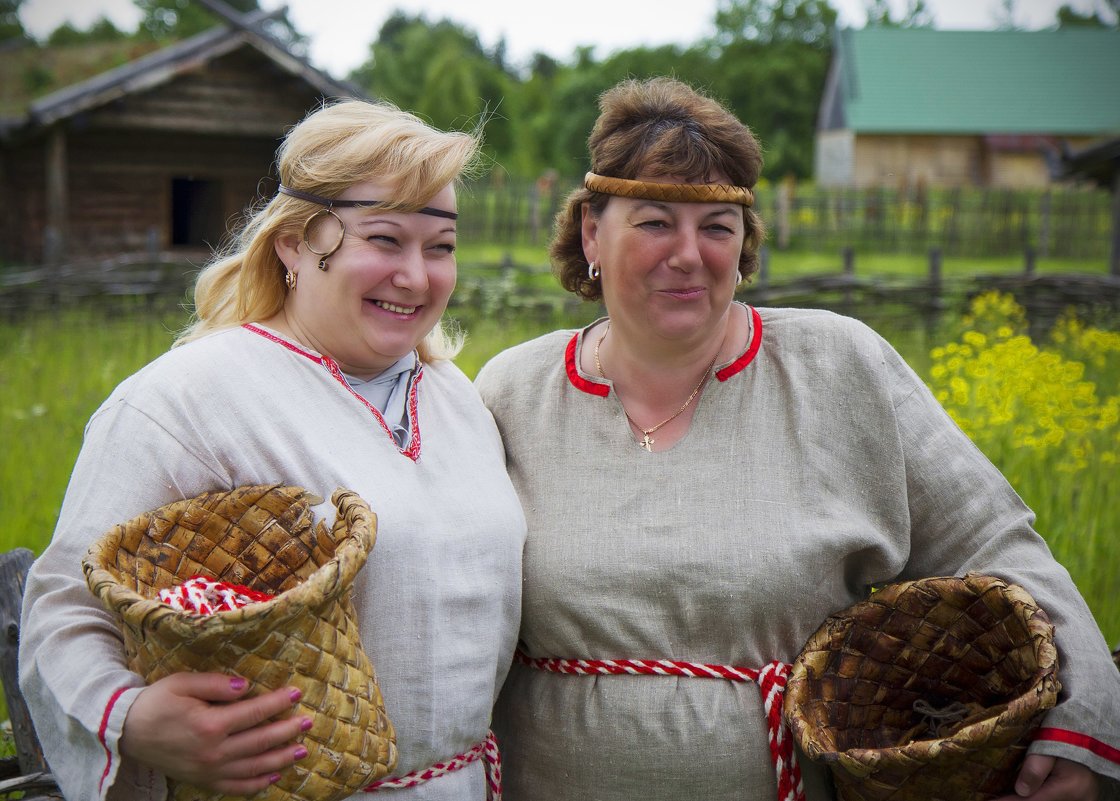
(341, 30)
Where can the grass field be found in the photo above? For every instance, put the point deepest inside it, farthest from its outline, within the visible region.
(56, 368)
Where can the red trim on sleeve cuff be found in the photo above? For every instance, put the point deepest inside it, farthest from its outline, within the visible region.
(578, 381)
(1103, 750)
(101, 736)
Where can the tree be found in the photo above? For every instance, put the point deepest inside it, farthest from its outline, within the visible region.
(772, 57)
(103, 30)
(11, 28)
(443, 73)
(170, 20)
(916, 15)
(1106, 14)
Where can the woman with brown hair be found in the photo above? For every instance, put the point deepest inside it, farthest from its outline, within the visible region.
(705, 482)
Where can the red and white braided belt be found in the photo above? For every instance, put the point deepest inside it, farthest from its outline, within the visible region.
(771, 681)
(487, 750)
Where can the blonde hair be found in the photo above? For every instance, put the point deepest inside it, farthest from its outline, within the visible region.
(652, 128)
(334, 147)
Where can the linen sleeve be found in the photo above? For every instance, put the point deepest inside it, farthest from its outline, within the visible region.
(964, 516)
(71, 658)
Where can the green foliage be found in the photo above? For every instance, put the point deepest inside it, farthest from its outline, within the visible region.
(103, 30)
(916, 15)
(1106, 14)
(441, 72)
(10, 26)
(58, 367)
(36, 79)
(767, 60)
(171, 20)
(177, 19)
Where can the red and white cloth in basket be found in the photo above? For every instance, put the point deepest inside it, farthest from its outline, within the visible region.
(201, 595)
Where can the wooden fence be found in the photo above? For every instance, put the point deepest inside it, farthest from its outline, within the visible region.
(1055, 223)
(507, 290)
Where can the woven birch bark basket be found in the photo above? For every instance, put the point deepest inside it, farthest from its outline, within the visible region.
(927, 691)
(263, 537)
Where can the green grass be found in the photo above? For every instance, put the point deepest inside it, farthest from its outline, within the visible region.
(56, 368)
(791, 263)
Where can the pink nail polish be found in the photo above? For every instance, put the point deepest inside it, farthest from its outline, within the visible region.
(275, 777)
(237, 683)
(306, 724)
(295, 695)
(300, 753)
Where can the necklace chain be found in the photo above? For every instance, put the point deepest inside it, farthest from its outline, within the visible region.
(646, 441)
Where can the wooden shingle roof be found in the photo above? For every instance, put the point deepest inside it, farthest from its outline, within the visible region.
(910, 80)
(163, 65)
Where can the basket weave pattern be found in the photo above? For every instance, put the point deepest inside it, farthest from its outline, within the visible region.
(977, 643)
(307, 637)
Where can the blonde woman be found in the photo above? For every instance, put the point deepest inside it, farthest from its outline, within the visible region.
(316, 359)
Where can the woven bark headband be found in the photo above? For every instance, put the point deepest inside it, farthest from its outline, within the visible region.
(673, 193)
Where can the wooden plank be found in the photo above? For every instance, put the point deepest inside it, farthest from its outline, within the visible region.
(56, 192)
(13, 573)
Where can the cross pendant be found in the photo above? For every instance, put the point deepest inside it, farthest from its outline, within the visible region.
(646, 443)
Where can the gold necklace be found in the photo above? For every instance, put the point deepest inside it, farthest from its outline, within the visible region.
(646, 442)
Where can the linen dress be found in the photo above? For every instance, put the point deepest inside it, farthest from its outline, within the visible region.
(816, 464)
(437, 601)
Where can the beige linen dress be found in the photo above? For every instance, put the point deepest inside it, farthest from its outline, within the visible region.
(437, 601)
(816, 465)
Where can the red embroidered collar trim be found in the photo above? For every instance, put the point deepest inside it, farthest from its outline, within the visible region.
(724, 373)
(736, 366)
(578, 381)
(412, 450)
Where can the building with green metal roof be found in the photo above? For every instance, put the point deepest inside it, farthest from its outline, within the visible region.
(907, 106)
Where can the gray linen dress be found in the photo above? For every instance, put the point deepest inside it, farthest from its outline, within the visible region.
(812, 469)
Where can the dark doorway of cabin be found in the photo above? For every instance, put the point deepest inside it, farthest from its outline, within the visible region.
(196, 212)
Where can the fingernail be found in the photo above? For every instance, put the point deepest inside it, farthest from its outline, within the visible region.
(275, 777)
(295, 695)
(1022, 789)
(238, 684)
(301, 752)
(306, 724)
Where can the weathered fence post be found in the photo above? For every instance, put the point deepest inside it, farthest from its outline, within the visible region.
(848, 255)
(13, 572)
(785, 206)
(1114, 247)
(1044, 225)
(1029, 260)
(934, 304)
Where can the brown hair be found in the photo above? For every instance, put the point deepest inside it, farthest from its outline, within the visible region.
(653, 128)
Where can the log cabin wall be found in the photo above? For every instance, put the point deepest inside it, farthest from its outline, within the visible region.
(171, 168)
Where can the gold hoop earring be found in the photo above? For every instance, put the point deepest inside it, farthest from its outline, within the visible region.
(290, 280)
(593, 272)
(323, 254)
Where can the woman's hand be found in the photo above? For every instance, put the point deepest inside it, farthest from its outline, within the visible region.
(1047, 778)
(192, 727)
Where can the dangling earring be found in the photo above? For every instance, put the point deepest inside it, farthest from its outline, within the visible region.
(593, 272)
(323, 265)
(738, 277)
(290, 280)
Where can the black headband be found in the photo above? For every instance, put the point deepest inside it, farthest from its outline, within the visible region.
(362, 204)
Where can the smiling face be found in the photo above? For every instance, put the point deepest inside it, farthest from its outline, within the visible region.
(384, 289)
(668, 269)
